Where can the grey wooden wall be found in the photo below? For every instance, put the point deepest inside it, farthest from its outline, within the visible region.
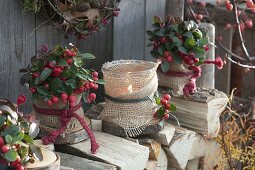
(21, 35)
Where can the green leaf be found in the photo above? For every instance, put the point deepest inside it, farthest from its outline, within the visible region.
(11, 130)
(150, 33)
(100, 81)
(164, 66)
(55, 84)
(25, 78)
(190, 42)
(182, 49)
(27, 138)
(157, 100)
(43, 91)
(78, 62)
(11, 155)
(177, 40)
(8, 139)
(2, 120)
(66, 73)
(161, 50)
(204, 41)
(156, 20)
(45, 74)
(155, 54)
(187, 34)
(170, 46)
(62, 63)
(33, 130)
(172, 108)
(9, 111)
(87, 56)
(177, 59)
(37, 80)
(18, 137)
(24, 125)
(149, 45)
(82, 76)
(36, 151)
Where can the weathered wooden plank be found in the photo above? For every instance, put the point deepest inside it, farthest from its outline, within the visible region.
(207, 79)
(76, 162)
(175, 8)
(124, 154)
(99, 44)
(193, 164)
(17, 46)
(129, 31)
(152, 8)
(154, 147)
(162, 160)
(222, 77)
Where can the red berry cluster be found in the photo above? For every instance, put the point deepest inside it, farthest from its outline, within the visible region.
(59, 76)
(164, 107)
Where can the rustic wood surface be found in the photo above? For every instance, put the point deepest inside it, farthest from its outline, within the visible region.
(124, 154)
(175, 8)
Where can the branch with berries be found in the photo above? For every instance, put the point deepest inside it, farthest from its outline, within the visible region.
(58, 76)
(242, 22)
(164, 107)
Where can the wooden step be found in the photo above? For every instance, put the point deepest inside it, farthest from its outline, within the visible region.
(124, 154)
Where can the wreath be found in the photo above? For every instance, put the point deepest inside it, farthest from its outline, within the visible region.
(81, 17)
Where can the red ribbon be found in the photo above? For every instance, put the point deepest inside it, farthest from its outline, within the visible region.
(65, 117)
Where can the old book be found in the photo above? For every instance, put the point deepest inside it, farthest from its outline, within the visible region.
(200, 112)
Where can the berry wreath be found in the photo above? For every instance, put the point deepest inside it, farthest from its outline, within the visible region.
(81, 17)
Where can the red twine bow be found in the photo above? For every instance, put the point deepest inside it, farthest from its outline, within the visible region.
(65, 117)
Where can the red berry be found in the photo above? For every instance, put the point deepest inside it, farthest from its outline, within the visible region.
(249, 24)
(202, 4)
(21, 100)
(229, 6)
(81, 89)
(166, 54)
(5, 148)
(169, 59)
(87, 86)
(206, 48)
(163, 40)
(95, 86)
(35, 75)
(69, 61)
(46, 86)
(32, 89)
(163, 101)
(54, 99)
(167, 97)
(155, 115)
(72, 98)
(200, 16)
(92, 96)
(20, 168)
(95, 74)
(50, 65)
(64, 96)
(115, 13)
(1, 141)
(166, 116)
(91, 84)
(49, 103)
(56, 71)
(249, 3)
(167, 106)
(95, 78)
(196, 60)
(68, 53)
(72, 104)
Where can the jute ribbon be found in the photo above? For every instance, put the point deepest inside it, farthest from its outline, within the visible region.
(65, 117)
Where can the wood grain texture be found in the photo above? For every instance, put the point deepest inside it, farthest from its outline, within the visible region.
(152, 8)
(175, 8)
(222, 77)
(17, 46)
(129, 31)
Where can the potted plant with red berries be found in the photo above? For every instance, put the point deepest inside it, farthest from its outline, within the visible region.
(181, 48)
(58, 82)
(17, 148)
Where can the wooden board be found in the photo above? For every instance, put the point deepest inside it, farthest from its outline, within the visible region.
(79, 163)
(129, 31)
(17, 46)
(175, 8)
(124, 154)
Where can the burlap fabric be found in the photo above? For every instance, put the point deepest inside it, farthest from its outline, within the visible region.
(176, 83)
(130, 86)
(53, 122)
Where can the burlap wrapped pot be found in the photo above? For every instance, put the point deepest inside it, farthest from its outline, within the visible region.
(51, 122)
(129, 89)
(176, 83)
